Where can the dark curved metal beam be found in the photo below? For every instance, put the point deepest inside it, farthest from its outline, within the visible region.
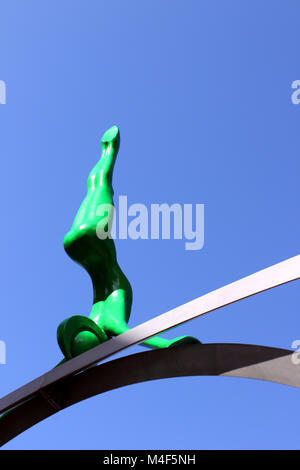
(235, 360)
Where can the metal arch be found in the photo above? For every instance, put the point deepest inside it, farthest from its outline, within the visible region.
(49, 393)
(278, 274)
(234, 360)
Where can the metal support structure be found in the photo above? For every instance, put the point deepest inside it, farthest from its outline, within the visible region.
(232, 360)
(63, 386)
(278, 274)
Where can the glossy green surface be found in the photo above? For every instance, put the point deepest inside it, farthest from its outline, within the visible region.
(87, 243)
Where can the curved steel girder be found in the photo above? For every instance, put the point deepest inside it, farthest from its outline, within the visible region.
(268, 278)
(235, 360)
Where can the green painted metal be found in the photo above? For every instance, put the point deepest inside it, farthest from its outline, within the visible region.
(88, 243)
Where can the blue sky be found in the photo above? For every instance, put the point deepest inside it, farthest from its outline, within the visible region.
(201, 92)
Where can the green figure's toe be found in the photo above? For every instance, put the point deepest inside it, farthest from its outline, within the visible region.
(184, 340)
(111, 136)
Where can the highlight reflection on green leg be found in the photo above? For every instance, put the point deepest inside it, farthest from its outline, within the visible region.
(88, 244)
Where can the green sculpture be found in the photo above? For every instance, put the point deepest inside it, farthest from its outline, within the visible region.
(88, 244)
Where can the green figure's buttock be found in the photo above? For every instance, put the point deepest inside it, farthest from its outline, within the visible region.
(88, 243)
(98, 258)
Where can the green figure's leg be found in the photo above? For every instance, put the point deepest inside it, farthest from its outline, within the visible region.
(88, 244)
(116, 324)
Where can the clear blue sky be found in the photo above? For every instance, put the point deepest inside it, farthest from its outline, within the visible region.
(201, 92)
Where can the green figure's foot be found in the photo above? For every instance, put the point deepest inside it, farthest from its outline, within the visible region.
(184, 340)
(111, 136)
(99, 192)
(157, 342)
(78, 334)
